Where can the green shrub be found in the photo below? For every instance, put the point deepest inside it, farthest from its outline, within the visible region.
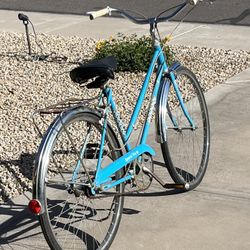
(133, 53)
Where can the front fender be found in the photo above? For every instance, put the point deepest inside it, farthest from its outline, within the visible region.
(161, 105)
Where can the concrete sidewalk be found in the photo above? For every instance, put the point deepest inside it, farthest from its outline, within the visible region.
(214, 216)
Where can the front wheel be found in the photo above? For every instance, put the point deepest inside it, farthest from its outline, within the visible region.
(186, 150)
(72, 217)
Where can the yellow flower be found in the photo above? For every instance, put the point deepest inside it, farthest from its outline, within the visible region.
(167, 39)
(99, 45)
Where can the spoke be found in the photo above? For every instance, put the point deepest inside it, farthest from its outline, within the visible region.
(61, 213)
(58, 204)
(65, 184)
(58, 169)
(71, 217)
(78, 154)
(79, 227)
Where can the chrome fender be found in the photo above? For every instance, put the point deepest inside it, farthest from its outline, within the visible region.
(161, 112)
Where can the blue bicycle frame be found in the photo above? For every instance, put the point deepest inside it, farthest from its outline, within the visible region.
(103, 178)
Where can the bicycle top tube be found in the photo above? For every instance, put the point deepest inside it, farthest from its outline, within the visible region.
(143, 19)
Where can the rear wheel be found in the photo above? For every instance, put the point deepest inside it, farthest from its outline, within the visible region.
(73, 218)
(186, 150)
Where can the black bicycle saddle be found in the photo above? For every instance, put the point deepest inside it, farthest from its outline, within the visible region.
(99, 70)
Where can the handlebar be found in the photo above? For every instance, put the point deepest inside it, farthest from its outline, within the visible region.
(94, 14)
(99, 13)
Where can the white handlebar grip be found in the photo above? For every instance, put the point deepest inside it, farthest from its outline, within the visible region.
(95, 14)
(193, 2)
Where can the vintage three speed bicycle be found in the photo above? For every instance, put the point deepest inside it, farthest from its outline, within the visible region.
(86, 164)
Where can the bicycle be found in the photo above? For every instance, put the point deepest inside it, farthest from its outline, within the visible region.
(82, 167)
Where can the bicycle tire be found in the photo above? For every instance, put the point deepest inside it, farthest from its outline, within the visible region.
(66, 217)
(185, 155)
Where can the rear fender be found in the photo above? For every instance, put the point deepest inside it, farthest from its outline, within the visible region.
(46, 146)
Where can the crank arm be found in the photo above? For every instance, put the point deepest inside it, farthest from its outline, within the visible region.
(165, 185)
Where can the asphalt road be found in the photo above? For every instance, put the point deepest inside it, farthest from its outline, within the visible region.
(235, 12)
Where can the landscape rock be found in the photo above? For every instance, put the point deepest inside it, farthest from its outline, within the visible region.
(27, 83)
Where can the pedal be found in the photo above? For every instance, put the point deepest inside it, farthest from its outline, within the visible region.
(177, 186)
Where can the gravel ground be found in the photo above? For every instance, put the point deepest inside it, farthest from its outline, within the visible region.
(26, 85)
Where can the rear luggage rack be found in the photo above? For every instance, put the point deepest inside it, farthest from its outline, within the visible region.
(43, 117)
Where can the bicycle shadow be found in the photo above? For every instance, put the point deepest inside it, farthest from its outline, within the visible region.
(25, 165)
(20, 229)
(237, 19)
